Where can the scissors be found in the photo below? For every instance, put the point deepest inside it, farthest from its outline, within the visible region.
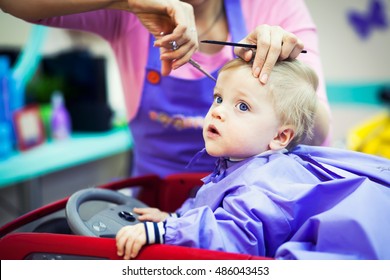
(197, 66)
(193, 63)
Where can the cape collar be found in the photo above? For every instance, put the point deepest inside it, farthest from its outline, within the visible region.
(223, 163)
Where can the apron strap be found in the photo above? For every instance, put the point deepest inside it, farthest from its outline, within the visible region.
(236, 20)
(154, 62)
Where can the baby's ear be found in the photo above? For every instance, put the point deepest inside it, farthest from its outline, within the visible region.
(283, 137)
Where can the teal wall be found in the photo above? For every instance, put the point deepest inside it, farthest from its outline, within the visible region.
(367, 93)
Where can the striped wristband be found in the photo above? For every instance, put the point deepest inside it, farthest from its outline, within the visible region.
(155, 232)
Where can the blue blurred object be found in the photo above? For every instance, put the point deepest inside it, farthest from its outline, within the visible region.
(4, 98)
(6, 138)
(12, 85)
(25, 66)
(6, 147)
(30, 57)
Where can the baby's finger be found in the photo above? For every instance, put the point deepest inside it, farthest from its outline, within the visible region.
(119, 249)
(135, 249)
(145, 217)
(141, 211)
(121, 239)
(128, 248)
(120, 244)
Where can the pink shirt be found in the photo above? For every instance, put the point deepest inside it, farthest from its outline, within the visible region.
(129, 41)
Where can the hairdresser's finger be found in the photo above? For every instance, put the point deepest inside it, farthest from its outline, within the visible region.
(181, 61)
(185, 37)
(185, 48)
(182, 37)
(174, 59)
(263, 45)
(166, 65)
(275, 47)
(245, 53)
(291, 46)
(287, 48)
(297, 50)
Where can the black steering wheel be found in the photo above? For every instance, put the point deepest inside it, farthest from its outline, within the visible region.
(107, 222)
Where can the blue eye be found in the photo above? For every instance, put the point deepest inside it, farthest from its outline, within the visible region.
(243, 107)
(218, 99)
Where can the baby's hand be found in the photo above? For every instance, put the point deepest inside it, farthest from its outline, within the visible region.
(129, 241)
(151, 214)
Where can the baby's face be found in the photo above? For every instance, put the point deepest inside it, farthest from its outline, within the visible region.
(241, 121)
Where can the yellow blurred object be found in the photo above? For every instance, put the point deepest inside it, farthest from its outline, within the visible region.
(372, 137)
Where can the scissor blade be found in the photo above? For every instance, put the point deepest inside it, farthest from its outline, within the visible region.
(197, 66)
(192, 62)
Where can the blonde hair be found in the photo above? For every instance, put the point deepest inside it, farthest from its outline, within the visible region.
(292, 88)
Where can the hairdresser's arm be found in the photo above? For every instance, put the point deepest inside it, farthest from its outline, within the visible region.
(157, 15)
(172, 18)
(32, 10)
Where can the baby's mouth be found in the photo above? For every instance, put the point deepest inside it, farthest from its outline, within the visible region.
(212, 129)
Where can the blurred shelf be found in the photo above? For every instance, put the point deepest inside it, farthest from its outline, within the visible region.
(58, 155)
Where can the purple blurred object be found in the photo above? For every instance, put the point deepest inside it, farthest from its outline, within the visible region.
(364, 23)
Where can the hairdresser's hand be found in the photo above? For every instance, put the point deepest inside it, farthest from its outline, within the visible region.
(129, 241)
(169, 20)
(273, 44)
(150, 214)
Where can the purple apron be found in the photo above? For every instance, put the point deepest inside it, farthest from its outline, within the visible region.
(167, 129)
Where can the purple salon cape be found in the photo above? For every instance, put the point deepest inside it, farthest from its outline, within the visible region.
(309, 203)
